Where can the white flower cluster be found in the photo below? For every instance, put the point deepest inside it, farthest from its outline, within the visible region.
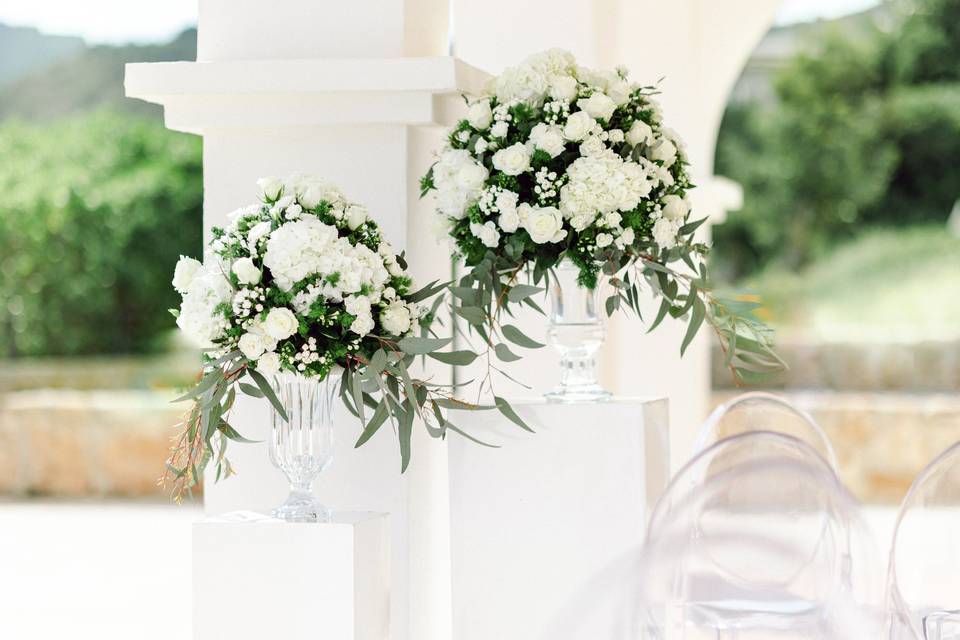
(204, 287)
(606, 134)
(307, 244)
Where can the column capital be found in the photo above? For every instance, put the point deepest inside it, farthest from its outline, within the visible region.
(198, 96)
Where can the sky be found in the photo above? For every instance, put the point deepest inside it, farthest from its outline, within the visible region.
(120, 21)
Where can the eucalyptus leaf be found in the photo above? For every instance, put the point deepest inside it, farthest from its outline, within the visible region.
(268, 392)
(517, 337)
(503, 352)
(456, 358)
(504, 407)
(422, 346)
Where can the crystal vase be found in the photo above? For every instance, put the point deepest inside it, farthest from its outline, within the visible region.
(302, 446)
(576, 331)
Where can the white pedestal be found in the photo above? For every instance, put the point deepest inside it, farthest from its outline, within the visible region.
(546, 530)
(256, 577)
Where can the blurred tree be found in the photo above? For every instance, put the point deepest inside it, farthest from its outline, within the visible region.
(96, 211)
(865, 131)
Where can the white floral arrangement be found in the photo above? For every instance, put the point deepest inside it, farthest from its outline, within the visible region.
(303, 282)
(555, 162)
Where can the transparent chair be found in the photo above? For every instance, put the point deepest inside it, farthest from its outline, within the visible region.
(923, 581)
(760, 411)
(756, 539)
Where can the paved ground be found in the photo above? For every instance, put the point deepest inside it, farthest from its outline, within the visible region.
(110, 571)
(117, 571)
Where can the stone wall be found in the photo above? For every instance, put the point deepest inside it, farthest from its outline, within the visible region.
(882, 440)
(69, 443)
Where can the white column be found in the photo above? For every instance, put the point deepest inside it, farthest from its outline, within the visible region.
(333, 89)
(699, 47)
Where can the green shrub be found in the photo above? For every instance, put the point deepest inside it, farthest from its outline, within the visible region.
(95, 212)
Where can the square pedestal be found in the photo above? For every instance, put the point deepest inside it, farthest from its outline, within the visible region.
(546, 531)
(255, 577)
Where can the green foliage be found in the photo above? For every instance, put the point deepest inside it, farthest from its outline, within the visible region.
(96, 211)
(865, 132)
(906, 280)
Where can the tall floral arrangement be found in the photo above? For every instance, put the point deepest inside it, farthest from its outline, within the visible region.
(302, 282)
(559, 162)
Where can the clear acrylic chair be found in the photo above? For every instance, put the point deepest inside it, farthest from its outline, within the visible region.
(757, 539)
(760, 411)
(923, 580)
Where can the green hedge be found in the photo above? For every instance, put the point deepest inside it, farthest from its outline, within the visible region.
(94, 214)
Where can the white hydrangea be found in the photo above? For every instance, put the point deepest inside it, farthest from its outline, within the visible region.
(459, 180)
(299, 249)
(198, 318)
(600, 184)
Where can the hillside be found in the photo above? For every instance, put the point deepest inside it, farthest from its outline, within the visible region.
(24, 49)
(91, 78)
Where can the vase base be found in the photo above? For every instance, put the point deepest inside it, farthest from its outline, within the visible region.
(579, 394)
(301, 508)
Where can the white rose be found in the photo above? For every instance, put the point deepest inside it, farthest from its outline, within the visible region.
(252, 345)
(604, 240)
(487, 233)
(362, 324)
(563, 88)
(665, 232)
(184, 273)
(592, 146)
(480, 146)
(509, 220)
(499, 130)
(626, 238)
(615, 135)
(471, 176)
(270, 188)
(675, 207)
(268, 363)
(395, 318)
(599, 105)
(665, 152)
(579, 126)
(480, 115)
(246, 271)
(545, 224)
(356, 216)
(280, 323)
(548, 138)
(312, 195)
(640, 133)
(513, 160)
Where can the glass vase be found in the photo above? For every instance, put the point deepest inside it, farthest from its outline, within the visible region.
(302, 446)
(576, 331)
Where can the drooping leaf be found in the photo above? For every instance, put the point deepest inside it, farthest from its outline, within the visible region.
(503, 352)
(504, 407)
(268, 392)
(517, 337)
(456, 358)
(520, 292)
(422, 346)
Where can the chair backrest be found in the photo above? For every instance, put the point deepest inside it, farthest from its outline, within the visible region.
(761, 411)
(923, 580)
(755, 534)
